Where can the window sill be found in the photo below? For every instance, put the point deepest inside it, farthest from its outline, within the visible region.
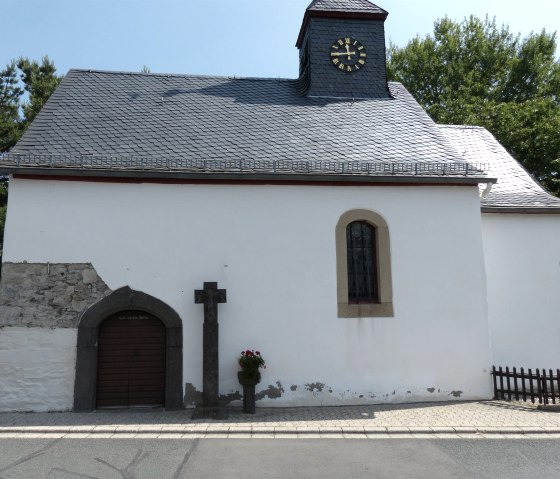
(370, 310)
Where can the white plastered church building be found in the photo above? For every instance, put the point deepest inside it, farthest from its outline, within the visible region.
(370, 254)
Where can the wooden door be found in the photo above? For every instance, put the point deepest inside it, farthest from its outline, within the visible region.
(131, 361)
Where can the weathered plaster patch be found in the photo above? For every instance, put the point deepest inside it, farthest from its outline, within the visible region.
(315, 387)
(48, 295)
(431, 390)
(456, 394)
(271, 392)
(192, 396)
(233, 396)
(293, 387)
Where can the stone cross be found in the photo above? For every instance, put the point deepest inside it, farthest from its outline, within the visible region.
(210, 296)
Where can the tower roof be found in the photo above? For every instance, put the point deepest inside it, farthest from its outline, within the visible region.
(356, 9)
(350, 6)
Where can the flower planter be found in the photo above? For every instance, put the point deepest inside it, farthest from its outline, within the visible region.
(249, 380)
(249, 376)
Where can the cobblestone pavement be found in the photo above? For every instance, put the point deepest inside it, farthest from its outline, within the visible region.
(458, 419)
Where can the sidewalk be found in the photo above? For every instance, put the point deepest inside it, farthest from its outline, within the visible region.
(483, 419)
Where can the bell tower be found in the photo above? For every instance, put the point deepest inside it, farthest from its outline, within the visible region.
(342, 49)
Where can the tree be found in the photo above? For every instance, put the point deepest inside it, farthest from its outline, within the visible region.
(475, 72)
(10, 94)
(38, 80)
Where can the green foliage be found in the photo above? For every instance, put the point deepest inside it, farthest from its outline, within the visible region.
(38, 80)
(251, 361)
(3, 193)
(475, 72)
(10, 94)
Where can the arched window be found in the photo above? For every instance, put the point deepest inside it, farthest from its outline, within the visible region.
(361, 260)
(363, 265)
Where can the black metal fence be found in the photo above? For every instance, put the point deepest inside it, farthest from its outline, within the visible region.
(527, 385)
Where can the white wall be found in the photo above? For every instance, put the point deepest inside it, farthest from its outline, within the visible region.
(523, 268)
(37, 367)
(273, 248)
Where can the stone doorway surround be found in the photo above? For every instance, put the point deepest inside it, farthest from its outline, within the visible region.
(122, 299)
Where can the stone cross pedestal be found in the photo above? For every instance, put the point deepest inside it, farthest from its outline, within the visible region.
(210, 296)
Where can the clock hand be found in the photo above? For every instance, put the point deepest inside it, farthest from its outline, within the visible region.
(342, 54)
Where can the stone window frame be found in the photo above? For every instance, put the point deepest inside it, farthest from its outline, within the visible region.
(125, 299)
(384, 307)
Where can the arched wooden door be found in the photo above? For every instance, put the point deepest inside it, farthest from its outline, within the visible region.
(131, 361)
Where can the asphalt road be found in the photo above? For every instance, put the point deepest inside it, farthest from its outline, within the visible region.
(278, 458)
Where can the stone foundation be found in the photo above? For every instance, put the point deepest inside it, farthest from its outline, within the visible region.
(48, 295)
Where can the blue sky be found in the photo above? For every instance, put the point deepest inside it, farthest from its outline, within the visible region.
(213, 37)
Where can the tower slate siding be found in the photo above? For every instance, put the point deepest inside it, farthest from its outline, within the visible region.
(325, 80)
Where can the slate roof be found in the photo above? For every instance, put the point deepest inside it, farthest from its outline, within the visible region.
(516, 191)
(354, 6)
(220, 118)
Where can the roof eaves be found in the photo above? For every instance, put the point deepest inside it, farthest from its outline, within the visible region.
(535, 210)
(342, 179)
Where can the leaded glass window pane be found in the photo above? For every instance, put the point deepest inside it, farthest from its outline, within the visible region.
(362, 263)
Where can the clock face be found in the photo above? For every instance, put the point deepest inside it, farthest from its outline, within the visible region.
(348, 55)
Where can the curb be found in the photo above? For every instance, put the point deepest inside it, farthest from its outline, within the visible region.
(116, 431)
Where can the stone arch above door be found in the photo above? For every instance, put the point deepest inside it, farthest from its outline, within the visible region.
(88, 329)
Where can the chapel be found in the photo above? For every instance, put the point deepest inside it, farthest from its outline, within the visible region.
(370, 254)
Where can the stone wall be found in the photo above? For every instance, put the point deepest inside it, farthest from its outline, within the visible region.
(48, 294)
